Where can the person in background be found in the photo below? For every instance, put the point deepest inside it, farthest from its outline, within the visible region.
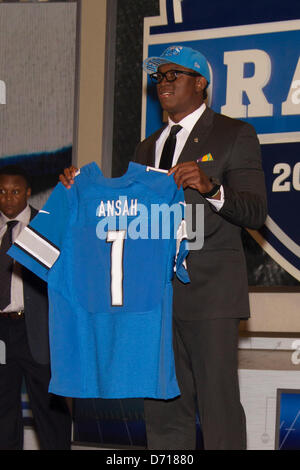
(24, 344)
(217, 161)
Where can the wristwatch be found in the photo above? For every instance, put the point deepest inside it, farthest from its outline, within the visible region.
(215, 189)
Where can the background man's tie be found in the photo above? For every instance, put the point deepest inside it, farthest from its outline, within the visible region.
(169, 147)
(6, 266)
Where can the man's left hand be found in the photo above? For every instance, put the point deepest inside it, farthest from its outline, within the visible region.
(190, 175)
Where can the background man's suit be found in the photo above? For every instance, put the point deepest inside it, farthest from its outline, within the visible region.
(219, 286)
(36, 318)
(27, 355)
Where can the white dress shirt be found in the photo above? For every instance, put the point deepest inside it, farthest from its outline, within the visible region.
(187, 125)
(17, 294)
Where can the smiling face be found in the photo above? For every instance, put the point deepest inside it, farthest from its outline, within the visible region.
(14, 193)
(183, 96)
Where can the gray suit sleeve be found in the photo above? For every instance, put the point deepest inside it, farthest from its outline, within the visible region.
(244, 183)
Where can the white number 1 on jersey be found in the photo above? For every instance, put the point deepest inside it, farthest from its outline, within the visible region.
(116, 266)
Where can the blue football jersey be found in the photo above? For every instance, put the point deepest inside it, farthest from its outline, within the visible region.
(108, 249)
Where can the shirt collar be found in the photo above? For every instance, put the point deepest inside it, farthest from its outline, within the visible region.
(190, 120)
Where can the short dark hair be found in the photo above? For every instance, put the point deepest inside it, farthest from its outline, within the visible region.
(17, 171)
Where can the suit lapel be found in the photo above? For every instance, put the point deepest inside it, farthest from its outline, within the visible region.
(193, 145)
(150, 152)
(33, 212)
(147, 156)
(197, 138)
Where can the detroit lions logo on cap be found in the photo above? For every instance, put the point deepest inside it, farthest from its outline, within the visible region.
(173, 50)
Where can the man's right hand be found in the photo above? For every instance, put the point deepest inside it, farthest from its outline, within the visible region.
(67, 178)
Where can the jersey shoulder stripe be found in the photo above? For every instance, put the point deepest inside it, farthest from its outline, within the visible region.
(37, 246)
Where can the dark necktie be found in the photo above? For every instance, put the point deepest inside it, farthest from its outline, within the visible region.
(6, 266)
(169, 147)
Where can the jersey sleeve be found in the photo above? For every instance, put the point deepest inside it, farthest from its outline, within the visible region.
(182, 251)
(39, 244)
(181, 254)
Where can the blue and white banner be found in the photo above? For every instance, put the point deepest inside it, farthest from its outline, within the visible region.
(255, 71)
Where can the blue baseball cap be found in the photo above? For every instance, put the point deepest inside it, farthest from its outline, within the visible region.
(181, 55)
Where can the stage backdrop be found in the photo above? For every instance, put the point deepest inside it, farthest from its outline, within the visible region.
(37, 76)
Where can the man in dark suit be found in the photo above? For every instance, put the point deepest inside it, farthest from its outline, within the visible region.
(217, 161)
(24, 332)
